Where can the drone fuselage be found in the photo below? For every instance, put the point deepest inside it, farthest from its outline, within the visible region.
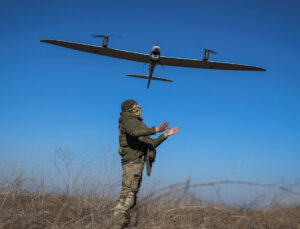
(154, 58)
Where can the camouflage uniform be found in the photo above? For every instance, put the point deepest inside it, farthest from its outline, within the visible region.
(134, 144)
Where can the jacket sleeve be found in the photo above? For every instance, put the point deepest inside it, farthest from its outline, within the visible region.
(157, 141)
(135, 128)
(153, 141)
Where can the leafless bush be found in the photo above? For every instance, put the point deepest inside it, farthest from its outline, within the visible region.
(87, 201)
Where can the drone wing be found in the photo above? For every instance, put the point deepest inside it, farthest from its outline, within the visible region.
(192, 63)
(122, 54)
(140, 57)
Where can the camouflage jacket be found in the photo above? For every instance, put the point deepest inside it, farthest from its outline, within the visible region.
(135, 138)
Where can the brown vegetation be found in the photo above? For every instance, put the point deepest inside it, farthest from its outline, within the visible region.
(173, 208)
(43, 210)
(26, 203)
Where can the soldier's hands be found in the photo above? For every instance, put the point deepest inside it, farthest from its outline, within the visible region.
(162, 127)
(171, 131)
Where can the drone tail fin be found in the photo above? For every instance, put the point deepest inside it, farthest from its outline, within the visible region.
(152, 78)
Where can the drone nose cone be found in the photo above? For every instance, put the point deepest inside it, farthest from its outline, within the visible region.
(155, 50)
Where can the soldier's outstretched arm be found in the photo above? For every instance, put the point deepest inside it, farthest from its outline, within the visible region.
(157, 141)
(136, 128)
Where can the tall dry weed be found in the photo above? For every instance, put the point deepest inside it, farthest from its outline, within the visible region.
(87, 201)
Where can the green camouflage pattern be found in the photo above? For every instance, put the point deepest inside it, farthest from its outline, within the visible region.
(135, 138)
(131, 182)
(135, 147)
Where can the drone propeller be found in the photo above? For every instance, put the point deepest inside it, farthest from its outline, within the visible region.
(162, 66)
(206, 50)
(211, 51)
(105, 36)
(96, 35)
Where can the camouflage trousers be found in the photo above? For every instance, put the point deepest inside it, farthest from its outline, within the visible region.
(131, 182)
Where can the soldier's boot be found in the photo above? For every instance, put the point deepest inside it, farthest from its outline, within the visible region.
(121, 216)
(120, 219)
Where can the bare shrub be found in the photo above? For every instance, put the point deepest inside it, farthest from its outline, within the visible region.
(88, 199)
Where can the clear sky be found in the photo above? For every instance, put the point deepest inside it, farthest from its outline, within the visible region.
(234, 125)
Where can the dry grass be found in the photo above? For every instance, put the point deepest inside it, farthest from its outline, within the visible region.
(26, 202)
(44, 210)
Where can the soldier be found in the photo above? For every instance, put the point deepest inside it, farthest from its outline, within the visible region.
(136, 147)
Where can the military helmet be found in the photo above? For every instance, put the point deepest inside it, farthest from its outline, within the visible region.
(128, 104)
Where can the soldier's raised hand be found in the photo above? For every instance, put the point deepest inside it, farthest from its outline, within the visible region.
(162, 127)
(171, 131)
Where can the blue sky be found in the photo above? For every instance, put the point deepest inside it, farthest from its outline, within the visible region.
(52, 97)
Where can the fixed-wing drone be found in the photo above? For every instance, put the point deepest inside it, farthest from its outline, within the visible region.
(153, 59)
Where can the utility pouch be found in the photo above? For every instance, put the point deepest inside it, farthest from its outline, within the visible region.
(150, 159)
